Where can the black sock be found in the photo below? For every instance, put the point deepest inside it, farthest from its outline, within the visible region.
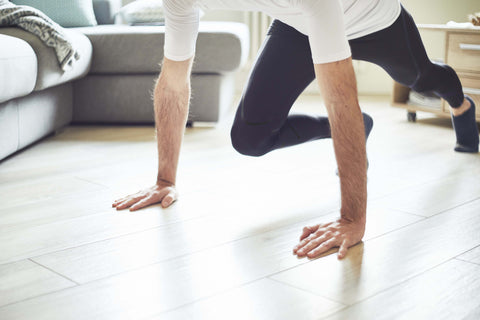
(466, 130)
(368, 122)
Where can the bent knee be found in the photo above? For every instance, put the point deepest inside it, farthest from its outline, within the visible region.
(247, 143)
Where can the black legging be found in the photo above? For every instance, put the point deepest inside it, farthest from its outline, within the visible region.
(284, 68)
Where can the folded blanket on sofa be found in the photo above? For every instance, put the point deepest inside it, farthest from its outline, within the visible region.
(36, 22)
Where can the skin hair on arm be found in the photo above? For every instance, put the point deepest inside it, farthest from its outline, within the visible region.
(171, 99)
(338, 87)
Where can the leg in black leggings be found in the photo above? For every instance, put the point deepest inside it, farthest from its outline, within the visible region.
(399, 50)
(284, 68)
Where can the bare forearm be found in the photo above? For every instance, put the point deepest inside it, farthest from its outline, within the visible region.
(171, 109)
(348, 134)
(349, 144)
(171, 99)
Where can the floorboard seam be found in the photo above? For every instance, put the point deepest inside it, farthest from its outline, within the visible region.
(92, 182)
(46, 293)
(467, 261)
(35, 297)
(454, 207)
(101, 240)
(410, 213)
(473, 248)
(308, 291)
(168, 259)
(57, 273)
(393, 286)
(206, 297)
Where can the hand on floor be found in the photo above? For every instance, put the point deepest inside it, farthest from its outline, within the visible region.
(318, 239)
(161, 192)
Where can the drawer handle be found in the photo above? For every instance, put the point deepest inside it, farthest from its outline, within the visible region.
(471, 91)
(469, 46)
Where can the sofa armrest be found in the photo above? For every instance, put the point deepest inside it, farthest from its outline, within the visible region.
(105, 10)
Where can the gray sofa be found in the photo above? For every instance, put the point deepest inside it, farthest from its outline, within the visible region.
(113, 80)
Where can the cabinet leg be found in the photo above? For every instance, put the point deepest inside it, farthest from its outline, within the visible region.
(411, 116)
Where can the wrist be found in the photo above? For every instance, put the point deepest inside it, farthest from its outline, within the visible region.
(358, 218)
(162, 181)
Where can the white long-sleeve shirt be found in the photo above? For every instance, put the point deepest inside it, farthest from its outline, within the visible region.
(329, 24)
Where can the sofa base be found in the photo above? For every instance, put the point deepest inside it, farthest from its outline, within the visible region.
(128, 98)
(27, 119)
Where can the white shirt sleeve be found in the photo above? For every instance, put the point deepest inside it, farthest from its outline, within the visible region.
(326, 30)
(181, 29)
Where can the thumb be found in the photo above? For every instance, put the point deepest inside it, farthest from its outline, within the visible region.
(169, 199)
(307, 231)
(342, 252)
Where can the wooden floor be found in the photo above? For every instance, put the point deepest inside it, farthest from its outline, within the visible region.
(224, 250)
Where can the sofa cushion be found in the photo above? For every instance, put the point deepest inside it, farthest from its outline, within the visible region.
(67, 13)
(105, 10)
(49, 72)
(18, 68)
(129, 98)
(8, 128)
(143, 11)
(221, 47)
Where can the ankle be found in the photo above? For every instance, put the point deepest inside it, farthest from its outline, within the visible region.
(462, 109)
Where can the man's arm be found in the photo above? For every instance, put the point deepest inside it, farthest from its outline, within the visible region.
(171, 100)
(339, 90)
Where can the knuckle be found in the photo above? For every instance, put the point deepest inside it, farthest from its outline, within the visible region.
(311, 244)
(319, 232)
(329, 243)
(332, 228)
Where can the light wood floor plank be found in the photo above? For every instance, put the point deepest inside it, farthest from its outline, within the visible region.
(43, 189)
(437, 196)
(472, 256)
(76, 149)
(263, 299)
(42, 234)
(102, 259)
(388, 260)
(449, 291)
(56, 206)
(104, 223)
(24, 279)
(31, 214)
(164, 286)
(173, 283)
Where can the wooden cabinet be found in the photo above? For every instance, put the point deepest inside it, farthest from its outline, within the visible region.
(462, 53)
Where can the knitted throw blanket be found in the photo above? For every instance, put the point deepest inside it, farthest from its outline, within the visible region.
(37, 23)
